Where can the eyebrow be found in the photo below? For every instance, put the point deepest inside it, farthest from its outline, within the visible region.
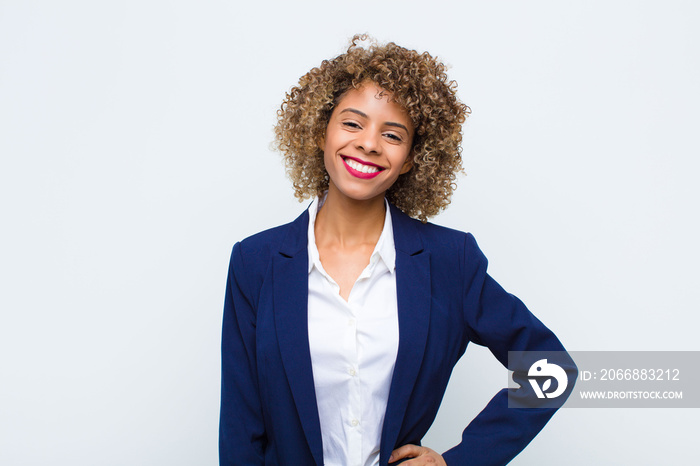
(364, 115)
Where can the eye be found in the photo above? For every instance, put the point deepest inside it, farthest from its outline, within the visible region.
(352, 124)
(394, 137)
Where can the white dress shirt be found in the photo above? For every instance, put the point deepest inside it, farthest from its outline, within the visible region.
(353, 350)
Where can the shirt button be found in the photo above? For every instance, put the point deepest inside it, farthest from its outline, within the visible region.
(351, 372)
(351, 322)
(355, 422)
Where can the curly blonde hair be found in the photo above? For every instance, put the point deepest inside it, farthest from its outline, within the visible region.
(416, 81)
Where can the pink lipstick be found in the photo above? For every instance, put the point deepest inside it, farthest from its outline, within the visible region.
(359, 164)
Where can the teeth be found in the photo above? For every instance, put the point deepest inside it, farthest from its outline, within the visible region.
(361, 167)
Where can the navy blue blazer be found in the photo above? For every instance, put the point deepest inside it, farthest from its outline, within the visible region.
(446, 299)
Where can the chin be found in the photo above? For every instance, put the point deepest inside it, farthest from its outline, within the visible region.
(360, 195)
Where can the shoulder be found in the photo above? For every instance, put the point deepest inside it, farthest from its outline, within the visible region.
(459, 248)
(455, 257)
(442, 236)
(454, 254)
(256, 251)
(440, 240)
(260, 244)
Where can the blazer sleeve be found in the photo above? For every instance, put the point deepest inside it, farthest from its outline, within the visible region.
(501, 322)
(242, 437)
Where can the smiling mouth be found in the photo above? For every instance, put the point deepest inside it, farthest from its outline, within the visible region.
(361, 167)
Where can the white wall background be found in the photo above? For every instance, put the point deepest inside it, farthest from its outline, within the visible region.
(134, 145)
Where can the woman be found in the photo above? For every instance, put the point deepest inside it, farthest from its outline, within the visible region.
(341, 328)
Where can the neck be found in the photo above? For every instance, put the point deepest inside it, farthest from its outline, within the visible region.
(350, 222)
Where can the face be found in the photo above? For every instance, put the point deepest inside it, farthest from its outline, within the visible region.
(367, 143)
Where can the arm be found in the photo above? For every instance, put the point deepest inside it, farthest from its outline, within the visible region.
(241, 429)
(502, 323)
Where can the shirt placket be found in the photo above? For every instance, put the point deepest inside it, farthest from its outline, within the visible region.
(353, 417)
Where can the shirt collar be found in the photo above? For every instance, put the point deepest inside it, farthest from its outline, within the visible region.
(384, 250)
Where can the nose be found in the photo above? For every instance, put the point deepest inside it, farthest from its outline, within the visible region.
(369, 141)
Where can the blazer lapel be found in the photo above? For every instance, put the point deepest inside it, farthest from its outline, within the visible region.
(290, 285)
(413, 297)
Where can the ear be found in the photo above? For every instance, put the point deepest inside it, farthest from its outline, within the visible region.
(321, 142)
(408, 164)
